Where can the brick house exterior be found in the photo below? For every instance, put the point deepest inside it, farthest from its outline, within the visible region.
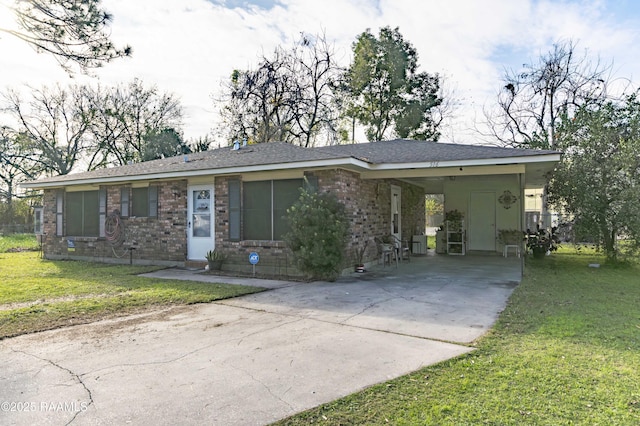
(361, 176)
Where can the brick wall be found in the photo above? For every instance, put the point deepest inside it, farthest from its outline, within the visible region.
(368, 205)
(160, 240)
(275, 257)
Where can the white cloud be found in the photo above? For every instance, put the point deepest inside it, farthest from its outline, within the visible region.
(189, 47)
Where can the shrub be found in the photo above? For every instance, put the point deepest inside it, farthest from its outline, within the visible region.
(318, 234)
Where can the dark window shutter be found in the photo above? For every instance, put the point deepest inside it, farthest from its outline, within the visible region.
(102, 211)
(59, 213)
(234, 210)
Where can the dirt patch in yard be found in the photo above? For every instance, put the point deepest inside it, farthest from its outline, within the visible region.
(108, 326)
(119, 319)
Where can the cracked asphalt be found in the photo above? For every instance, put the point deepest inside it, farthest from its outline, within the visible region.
(258, 358)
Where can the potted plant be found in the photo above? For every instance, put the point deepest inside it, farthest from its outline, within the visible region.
(451, 231)
(454, 219)
(215, 258)
(541, 242)
(360, 251)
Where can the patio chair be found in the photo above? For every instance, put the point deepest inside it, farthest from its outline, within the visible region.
(385, 252)
(402, 248)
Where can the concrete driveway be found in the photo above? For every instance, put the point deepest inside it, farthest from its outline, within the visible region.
(257, 358)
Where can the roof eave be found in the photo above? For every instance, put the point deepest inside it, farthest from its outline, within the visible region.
(542, 158)
(313, 164)
(348, 161)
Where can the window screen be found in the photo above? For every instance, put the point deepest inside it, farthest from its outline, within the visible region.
(83, 214)
(285, 194)
(265, 207)
(140, 202)
(256, 202)
(144, 202)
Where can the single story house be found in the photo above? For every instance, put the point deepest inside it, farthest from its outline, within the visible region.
(173, 211)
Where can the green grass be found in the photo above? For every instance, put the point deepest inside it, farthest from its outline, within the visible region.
(565, 351)
(18, 242)
(431, 241)
(37, 294)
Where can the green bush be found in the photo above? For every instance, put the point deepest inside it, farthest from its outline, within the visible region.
(318, 234)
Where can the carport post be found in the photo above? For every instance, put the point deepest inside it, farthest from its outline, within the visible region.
(522, 219)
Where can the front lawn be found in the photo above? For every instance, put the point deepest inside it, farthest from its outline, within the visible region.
(38, 295)
(18, 242)
(566, 350)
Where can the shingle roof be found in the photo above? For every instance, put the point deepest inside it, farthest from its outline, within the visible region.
(411, 151)
(275, 153)
(252, 155)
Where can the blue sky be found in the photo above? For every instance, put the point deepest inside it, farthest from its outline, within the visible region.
(188, 47)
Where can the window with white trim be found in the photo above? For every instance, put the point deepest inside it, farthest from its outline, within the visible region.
(264, 208)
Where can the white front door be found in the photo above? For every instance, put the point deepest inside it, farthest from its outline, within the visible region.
(396, 212)
(482, 221)
(200, 231)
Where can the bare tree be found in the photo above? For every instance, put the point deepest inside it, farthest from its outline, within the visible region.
(315, 79)
(126, 118)
(200, 144)
(17, 164)
(289, 97)
(533, 101)
(254, 102)
(74, 31)
(54, 122)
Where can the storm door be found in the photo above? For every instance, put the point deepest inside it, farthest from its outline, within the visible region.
(200, 231)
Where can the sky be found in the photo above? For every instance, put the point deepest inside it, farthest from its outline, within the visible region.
(189, 47)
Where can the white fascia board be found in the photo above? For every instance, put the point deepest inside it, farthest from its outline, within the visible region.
(467, 163)
(184, 174)
(492, 169)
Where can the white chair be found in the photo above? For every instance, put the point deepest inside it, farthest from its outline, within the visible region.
(402, 249)
(506, 247)
(385, 252)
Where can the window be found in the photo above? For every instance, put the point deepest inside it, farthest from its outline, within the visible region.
(264, 207)
(37, 220)
(144, 202)
(82, 211)
(124, 202)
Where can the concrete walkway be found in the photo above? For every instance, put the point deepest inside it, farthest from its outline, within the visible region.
(257, 358)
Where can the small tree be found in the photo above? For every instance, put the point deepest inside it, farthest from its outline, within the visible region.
(598, 181)
(388, 94)
(318, 235)
(536, 99)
